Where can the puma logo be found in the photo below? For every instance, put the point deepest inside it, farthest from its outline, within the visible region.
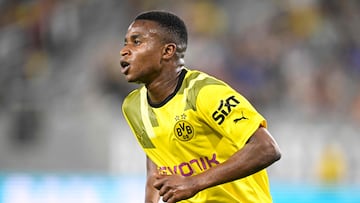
(241, 118)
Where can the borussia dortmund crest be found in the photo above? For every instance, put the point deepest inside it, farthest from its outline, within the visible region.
(183, 130)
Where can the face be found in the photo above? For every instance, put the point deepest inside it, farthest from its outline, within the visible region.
(140, 58)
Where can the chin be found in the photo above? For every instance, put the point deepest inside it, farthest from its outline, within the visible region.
(132, 80)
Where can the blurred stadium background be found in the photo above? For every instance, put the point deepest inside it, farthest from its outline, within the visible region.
(62, 134)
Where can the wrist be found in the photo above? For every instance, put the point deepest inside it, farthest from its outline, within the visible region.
(200, 182)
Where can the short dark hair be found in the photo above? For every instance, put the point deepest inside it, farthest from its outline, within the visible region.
(172, 24)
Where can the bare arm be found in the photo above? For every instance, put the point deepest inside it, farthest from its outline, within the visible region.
(151, 193)
(260, 152)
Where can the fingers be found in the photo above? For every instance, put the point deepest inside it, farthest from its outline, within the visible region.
(159, 181)
(166, 197)
(170, 196)
(165, 190)
(161, 184)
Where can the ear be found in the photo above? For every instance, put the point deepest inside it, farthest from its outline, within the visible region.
(169, 50)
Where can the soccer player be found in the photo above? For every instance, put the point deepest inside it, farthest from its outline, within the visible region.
(203, 140)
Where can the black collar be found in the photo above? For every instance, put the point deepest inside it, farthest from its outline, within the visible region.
(168, 98)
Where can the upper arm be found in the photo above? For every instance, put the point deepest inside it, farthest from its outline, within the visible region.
(151, 167)
(265, 145)
(151, 193)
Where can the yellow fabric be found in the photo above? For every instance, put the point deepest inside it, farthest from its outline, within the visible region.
(202, 125)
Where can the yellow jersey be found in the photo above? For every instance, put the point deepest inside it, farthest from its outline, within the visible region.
(199, 126)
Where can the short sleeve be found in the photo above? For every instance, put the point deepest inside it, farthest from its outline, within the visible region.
(229, 113)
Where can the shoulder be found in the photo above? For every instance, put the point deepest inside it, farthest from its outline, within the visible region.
(200, 82)
(208, 90)
(196, 80)
(202, 89)
(132, 99)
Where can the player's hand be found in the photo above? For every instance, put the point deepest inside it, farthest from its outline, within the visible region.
(174, 188)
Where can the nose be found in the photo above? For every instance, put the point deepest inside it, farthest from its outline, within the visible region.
(124, 51)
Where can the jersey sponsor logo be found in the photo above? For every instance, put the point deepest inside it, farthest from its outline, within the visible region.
(241, 118)
(188, 168)
(224, 109)
(183, 130)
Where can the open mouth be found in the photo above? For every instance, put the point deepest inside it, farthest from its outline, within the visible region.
(124, 64)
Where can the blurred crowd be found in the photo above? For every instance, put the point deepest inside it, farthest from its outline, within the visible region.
(294, 60)
(34, 35)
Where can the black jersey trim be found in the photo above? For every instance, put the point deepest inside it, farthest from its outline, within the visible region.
(178, 85)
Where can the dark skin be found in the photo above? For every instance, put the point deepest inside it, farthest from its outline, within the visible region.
(260, 152)
(152, 61)
(156, 64)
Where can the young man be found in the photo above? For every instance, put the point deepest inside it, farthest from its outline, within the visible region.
(204, 141)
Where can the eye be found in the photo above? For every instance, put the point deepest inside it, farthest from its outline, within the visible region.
(137, 42)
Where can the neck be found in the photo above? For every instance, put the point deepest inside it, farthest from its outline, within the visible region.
(164, 86)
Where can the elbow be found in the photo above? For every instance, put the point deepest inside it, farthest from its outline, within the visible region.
(277, 154)
(266, 149)
(271, 153)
